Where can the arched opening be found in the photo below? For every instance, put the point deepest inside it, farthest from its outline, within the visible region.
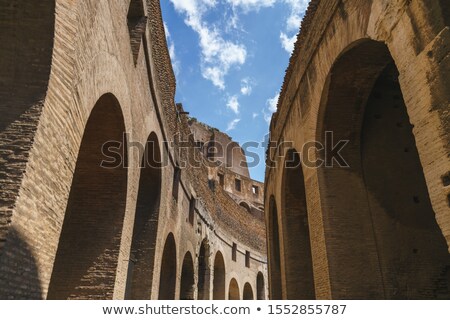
(168, 275)
(296, 241)
(384, 241)
(142, 255)
(86, 259)
(246, 206)
(203, 271)
(260, 289)
(219, 277)
(233, 290)
(248, 292)
(274, 252)
(187, 289)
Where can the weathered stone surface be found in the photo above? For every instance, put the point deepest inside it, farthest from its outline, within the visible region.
(375, 74)
(75, 75)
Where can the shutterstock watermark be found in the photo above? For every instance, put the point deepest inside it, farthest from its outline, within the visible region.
(195, 154)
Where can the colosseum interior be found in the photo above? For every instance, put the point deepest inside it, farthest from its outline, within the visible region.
(109, 190)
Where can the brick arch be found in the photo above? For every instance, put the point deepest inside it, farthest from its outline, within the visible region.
(296, 239)
(382, 238)
(246, 206)
(260, 287)
(233, 290)
(187, 283)
(145, 230)
(248, 292)
(204, 272)
(219, 277)
(273, 232)
(168, 273)
(87, 256)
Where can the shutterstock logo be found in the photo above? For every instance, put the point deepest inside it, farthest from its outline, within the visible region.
(312, 154)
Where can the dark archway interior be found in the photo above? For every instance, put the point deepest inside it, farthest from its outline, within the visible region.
(248, 292)
(260, 289)
(296, 240)
(142, 255)
(168, 275)
(88, 250)
(219, 277)
(203, 272)
(274, 250)
(384, 241)
(187, 289)
(233, 291)
(246, 207)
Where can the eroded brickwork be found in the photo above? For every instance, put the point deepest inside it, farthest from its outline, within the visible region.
(74, 76)
(373, 73)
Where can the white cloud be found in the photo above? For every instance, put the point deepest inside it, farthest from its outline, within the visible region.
(232, 124)
(233, 104)
(288, 43)
(271, 107)
(218, 55)
(246, 86)
(255, 115)
(248, 5)
(176, 65)
(272, 102)
(297, 11)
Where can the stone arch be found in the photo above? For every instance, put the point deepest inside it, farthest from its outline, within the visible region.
(145, 230)
(246, 206)
(87, 256)
(273, 233)
(219, 277)
(248, 292)
(260, 287)
(233, 290)
(168, 274)
(187, 289)
(296, 240)
(204, 272)
(383, 239)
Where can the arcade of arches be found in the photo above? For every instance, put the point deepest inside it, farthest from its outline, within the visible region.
(364, 211)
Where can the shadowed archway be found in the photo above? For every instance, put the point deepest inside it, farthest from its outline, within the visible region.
(86, 259)
(187, 289)
(204, 273)
(145, 230)
(384, 241)
(168, 275)
(233, 290)
(219, 277)
(260, 287)
(296, 240)
(248, 292)
(273, 234)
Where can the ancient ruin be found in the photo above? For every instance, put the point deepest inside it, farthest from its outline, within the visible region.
(109, 190)
(369, 79)
(105, 194)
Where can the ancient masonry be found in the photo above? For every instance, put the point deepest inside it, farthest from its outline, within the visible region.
(107, 189)
(371, 78)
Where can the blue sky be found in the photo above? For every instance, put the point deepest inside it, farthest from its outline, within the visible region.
(229, 58)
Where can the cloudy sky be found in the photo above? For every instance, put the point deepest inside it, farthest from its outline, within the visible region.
(229, 57)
